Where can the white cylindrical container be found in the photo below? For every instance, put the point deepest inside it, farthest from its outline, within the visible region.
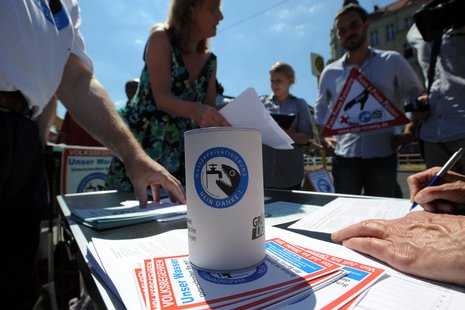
(225, 200)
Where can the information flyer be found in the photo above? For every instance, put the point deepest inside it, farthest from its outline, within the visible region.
(84, 169)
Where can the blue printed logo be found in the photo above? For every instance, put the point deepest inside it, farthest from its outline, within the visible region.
(92, 183)
(324, 186)
(364, 117)
(369, 116)
(59, 17)
(234, 278)
(221, 177)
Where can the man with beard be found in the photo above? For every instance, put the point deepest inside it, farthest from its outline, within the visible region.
(365, 162)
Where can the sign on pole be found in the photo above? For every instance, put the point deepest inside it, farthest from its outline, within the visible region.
(362, 107)
(317, 64)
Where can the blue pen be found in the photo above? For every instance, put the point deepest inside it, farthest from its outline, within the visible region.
(451, 162)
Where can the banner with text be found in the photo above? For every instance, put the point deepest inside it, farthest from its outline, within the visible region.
(84, 169)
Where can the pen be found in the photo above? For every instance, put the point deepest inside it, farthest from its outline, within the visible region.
(443, 171)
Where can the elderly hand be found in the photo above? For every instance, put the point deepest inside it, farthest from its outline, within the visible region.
(423, 244)
(143, 171)
(448, 196)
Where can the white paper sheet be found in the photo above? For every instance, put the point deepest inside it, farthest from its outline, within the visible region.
(343, 212)
(246, 110)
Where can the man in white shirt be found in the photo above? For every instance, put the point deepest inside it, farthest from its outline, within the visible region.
(365, 162)
(42, 54)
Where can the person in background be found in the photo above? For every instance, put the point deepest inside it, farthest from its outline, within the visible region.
(442, 131)
(43, 55)
(130, 88)
(365, 162)
(430, 243)
(177, 87)
(71, 133)
(285, 168)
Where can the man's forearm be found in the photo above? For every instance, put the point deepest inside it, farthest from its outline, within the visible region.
(91, 107)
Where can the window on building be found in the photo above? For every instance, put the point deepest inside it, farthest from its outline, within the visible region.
(390, 33)
(408, 22)
(374, 39)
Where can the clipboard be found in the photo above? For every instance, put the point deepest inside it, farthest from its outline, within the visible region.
(283, 120)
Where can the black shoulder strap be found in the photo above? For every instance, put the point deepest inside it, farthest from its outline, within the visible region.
(435, 48)
(55, 6)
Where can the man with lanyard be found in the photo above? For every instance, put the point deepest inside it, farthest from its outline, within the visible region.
(42, 54)
(365, 162)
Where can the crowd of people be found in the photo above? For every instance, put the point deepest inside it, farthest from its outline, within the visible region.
(177, 91)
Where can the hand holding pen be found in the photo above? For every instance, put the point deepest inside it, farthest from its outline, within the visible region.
(439, 190)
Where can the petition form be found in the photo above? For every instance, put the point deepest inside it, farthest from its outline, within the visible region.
(343, 212)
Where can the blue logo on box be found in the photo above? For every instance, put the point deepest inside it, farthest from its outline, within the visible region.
(221, 177)
(234, 278)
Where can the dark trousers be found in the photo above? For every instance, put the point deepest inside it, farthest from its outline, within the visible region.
(23, 199)
(367, 176)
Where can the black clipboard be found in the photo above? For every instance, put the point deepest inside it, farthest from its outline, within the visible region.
(283, 120)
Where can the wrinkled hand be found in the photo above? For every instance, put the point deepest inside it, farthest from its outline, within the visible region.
(208, 116)
(448, 196)
(144, 171)
(423, 244)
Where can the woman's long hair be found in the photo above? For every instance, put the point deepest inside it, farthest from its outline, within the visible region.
(180, 22)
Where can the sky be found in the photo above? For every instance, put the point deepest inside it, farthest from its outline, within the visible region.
(253, 35)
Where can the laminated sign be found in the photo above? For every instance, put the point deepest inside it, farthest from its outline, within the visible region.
(362, 107)
(84, 169)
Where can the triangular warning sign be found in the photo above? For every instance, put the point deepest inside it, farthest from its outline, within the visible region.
(362, 107)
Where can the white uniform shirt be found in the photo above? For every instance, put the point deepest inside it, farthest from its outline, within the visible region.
(35, 47)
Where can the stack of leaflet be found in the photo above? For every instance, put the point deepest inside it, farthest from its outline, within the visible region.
(128, 213)
(155, 273)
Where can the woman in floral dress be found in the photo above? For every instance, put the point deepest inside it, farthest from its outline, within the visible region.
(177, 88)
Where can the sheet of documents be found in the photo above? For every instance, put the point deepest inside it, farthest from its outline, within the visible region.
(290, 272)
(343, 212)
(246, 110)
(172, 283)
(359, 277)
(395, 290)
(122, 262)
(128, 213)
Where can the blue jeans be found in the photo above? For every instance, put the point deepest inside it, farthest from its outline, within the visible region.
(367, 176)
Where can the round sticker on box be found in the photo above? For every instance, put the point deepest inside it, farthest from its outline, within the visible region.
(221, 177)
